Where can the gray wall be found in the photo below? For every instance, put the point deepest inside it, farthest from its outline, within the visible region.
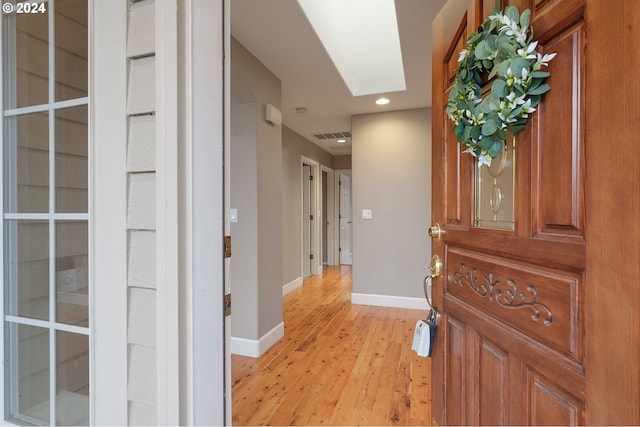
(342, 162)
(293, 147)
(256, 191)
(391, 175)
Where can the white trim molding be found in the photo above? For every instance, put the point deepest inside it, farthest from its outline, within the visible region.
(295, 283)
(389, 301)
(256, 348)
(108, 211)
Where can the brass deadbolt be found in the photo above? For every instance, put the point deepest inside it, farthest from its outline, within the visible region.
(435, 232)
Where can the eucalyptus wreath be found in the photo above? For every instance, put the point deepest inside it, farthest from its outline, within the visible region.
(503, 47)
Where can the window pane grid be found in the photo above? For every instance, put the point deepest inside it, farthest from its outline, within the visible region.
(65, 213)
(46, 324)
(46, 107)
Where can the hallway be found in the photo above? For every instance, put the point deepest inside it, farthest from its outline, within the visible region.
(338, 364)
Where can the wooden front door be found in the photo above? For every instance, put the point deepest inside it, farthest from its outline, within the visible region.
(541, 277)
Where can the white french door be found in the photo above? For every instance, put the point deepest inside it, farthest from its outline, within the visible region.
(45, 229)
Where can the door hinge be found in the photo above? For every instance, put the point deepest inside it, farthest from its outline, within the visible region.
(310, 177)
(311, 256)
(227, 305)
(311, 217)
(227, 246)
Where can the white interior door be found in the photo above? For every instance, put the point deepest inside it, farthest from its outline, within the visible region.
(346, 254)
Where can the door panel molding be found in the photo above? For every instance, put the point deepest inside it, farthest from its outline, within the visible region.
(540, 302)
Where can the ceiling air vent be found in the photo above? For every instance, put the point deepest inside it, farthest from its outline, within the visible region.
(332, 135)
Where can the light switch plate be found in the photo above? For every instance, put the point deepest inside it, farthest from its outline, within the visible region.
(366, 214)
(233, 215)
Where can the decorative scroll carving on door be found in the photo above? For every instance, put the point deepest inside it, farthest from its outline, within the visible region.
(508, 296)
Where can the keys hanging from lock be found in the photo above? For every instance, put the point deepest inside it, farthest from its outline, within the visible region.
(434, 317)
(425, 333)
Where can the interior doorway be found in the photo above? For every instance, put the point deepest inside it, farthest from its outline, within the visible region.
(307, 221)
(345, 218)
(311, 218)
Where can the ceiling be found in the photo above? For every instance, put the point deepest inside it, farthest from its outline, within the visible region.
(278, 33)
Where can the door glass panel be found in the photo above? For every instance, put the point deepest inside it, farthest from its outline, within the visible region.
(71, 49)
(26, 153)
(72, 159)
(28, 270)
(72, 379)
(29, 361)
(26, 50)
(72, 273)
(495, 191)
(45, 170)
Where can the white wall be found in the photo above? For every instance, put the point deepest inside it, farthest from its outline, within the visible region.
(391, 175)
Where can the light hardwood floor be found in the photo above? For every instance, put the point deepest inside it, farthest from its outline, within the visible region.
(338, 364)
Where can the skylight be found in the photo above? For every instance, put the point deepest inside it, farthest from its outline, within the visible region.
(361, 37)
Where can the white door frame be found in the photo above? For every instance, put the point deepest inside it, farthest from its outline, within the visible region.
(316, 211)
(331, 216)
(227, 205)
(307, 236)
(203, 332)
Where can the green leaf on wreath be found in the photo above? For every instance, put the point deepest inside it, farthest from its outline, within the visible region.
(512, 13)
(489, 128)
(525, 18)
(515, 128)
(499, 89)
(481, 51)
(495, 149)
(476, 132)
(492, 42)
(466, 135)
(517, 65)
(503, 69)
(543, 88)
(540, 74)
(485, 143)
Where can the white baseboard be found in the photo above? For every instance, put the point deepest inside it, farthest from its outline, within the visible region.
(296, 283)
(389, 301)
(256, 348)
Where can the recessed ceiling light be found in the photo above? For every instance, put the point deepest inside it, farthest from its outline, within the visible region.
(341, 141)
(382, 101)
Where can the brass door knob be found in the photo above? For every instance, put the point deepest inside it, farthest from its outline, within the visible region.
(435, 232)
